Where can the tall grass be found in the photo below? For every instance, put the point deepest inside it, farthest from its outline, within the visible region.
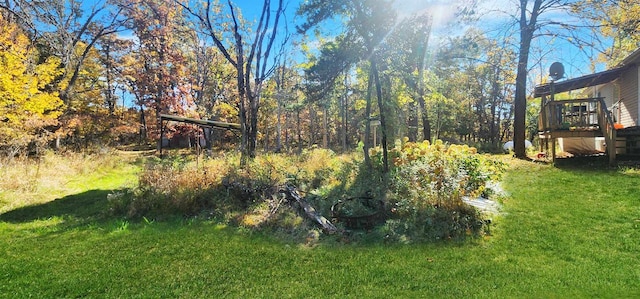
(218, 188)
(28, 181)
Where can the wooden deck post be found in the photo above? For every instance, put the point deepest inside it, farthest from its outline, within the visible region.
(613, 147)
(161, 136)
(553, 149)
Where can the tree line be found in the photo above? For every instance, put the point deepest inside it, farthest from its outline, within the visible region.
(80, 75)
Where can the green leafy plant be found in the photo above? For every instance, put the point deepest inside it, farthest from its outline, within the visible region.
(426, 187)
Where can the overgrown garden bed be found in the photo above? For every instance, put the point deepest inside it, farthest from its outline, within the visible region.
(419, 199)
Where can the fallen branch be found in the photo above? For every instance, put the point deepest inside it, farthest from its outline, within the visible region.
(292, 194)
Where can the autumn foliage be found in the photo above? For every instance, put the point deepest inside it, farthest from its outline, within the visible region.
(27, 107)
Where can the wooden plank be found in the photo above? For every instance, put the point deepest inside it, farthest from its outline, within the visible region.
(576, 133)
(201, 122)
(292, 194)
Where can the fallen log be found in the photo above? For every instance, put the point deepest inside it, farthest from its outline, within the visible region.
(292, 194)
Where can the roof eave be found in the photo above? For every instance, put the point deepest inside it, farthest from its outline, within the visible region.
(633, 58)
(578, 83)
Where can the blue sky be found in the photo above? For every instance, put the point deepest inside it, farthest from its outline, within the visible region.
(496, 15)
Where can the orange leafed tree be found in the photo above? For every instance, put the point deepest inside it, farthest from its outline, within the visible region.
(159, 63)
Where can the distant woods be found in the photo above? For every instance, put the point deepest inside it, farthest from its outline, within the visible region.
(80, 76)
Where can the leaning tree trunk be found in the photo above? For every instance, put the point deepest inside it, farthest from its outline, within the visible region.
(292, 194)
(383, 123)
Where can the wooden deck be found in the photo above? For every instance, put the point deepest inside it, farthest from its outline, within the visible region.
(582, 118)
(575, 133)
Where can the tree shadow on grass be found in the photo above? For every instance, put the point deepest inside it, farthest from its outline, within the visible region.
(584, 163)
(82, 207)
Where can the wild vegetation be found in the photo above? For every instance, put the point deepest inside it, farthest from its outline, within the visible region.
(28, 181)
(322, 110)
(424, 202)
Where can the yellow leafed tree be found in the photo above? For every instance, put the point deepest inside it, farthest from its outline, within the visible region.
(26, 106)
(624, 27)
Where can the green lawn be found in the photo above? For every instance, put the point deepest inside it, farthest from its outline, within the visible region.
(564, 232)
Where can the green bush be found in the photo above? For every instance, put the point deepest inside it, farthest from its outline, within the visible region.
(426, 186)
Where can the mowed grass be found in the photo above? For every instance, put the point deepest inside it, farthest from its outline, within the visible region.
(564, 232)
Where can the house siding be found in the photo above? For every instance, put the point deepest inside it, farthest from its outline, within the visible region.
(628, 83)
(611, 94)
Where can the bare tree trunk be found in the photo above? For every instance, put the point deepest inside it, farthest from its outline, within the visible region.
(253, 129)
(412, 122)
(287, 125)
(426, 124)
(279, 127)
(325, 130)
(527, 29)
(299, 129)
(143, 125)
(266, 138)
(383, 123)
(159, 98)
(312, 125)
(367, 125)
(344, 112)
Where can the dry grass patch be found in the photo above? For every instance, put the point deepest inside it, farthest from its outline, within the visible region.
(30, 181)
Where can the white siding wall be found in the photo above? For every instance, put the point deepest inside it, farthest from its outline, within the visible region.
(629, 109)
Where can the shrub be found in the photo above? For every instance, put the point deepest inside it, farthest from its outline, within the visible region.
(436, 223)
(453, 222)
(427, 184)
(440, 174)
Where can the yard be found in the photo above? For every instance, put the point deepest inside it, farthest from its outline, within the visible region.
(563, 232)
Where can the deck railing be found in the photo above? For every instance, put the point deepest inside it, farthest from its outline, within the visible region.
(578, 114)
(605, 121)
(589, 114)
